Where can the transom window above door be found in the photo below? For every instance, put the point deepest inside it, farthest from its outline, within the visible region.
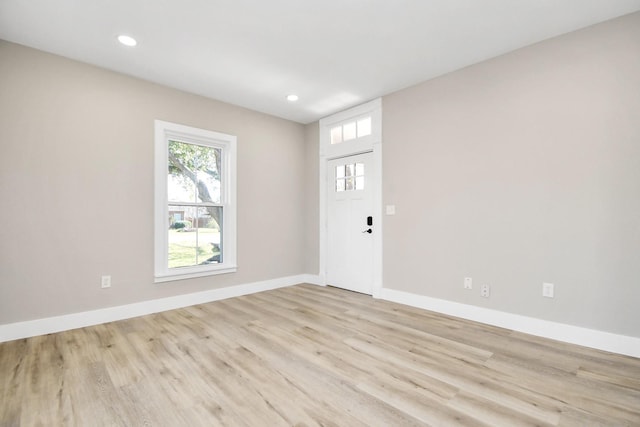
(351, 130)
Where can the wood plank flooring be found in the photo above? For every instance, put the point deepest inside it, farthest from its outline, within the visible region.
(309, 356)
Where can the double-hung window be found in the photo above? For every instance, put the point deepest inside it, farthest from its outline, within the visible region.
(195, 202)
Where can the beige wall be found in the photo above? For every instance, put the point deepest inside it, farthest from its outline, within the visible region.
(312, 198)
(516, 171)
(76, 185)
(522, 170)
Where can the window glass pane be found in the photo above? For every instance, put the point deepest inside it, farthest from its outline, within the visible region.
(180, 189)
(364, 127)
(350, 169)
(194, 235)
(336, 135)
(182, 236)
(359, 169)
(340, 185)
(208, 174)
(340, 171)
(349, 184)
(360, 183)
(209, 242)
(193, 173)
(349, 131)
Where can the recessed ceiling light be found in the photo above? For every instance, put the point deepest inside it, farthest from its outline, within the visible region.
(127, 41)
(292, 98)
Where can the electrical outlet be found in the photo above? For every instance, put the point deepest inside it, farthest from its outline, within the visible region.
(485, 291)
(547, 290)
(468, 283)
(106, 281)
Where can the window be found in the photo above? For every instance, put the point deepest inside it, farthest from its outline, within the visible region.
(351, 130)
(195, 228)
(350, 177)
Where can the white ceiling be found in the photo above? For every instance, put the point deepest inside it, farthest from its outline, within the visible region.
(332, 53)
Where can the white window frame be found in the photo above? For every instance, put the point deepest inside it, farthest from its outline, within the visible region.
(165, 131)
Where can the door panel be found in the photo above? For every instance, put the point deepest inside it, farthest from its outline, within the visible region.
(349, 203)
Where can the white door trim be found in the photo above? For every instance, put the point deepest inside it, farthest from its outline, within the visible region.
(328, 152)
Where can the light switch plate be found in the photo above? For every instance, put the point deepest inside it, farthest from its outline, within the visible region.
(105, 281)
(547, 290)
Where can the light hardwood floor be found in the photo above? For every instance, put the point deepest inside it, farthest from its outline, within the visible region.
(306, 356)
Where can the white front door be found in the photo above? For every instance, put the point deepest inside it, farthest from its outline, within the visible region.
(350, 223)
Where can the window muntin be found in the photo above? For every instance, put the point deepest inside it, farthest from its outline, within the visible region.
(195, 202)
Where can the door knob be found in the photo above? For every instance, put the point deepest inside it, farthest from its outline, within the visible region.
(368, 230)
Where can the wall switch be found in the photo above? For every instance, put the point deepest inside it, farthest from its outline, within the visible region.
(106, 281)
(547, 290)
(468, 283)
(390, 209)
(485, 291)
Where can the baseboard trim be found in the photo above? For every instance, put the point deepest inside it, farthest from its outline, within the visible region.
(607, 341)
(600, 340)
(30, 328)
(313, 279)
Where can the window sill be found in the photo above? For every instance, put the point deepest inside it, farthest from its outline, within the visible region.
(169, 277)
